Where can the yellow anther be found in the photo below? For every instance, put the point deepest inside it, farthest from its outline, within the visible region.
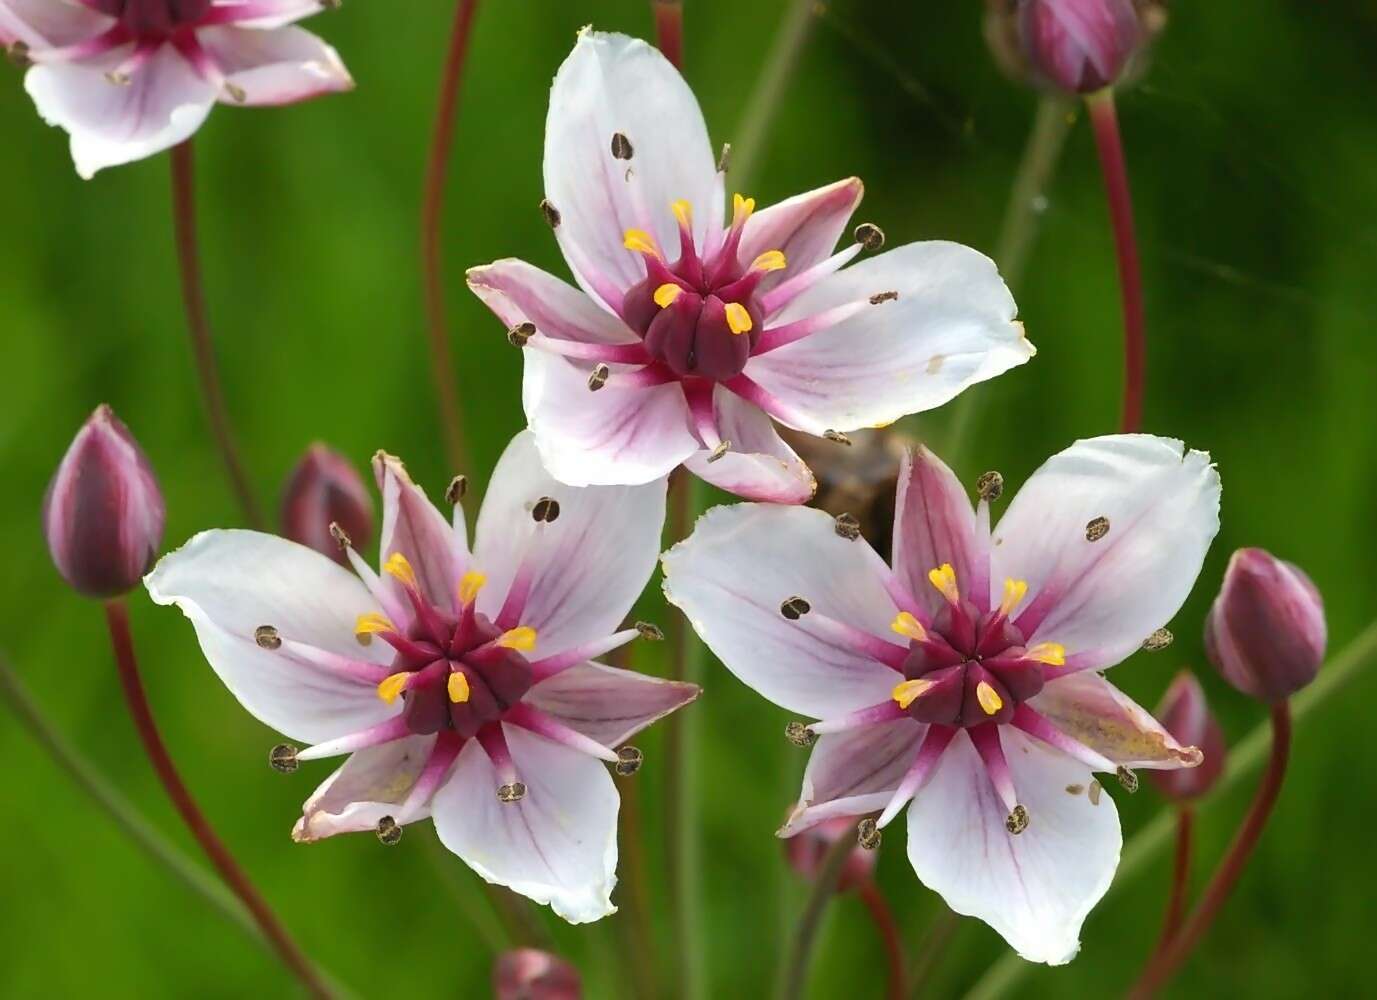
(666, 294)
(371, 624)
(907, 692)
(908, 627)
(521, 638)
(397, 565)
(738, 319)
(683, 211)
(944, 579)
(1051, 653)
(393, 685)
(641, 242)
(469, 586)
(742, 208)
(458, 688)
(770, 260)
(1014, 591)
(988, 697)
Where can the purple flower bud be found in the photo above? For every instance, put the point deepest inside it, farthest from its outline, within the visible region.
(530, 974)
(1266, 631)
(325, 489)
(805, 852)
(1186, 715)
(103, 513)
(1079, 45)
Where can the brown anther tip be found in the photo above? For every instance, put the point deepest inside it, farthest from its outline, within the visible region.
(551, 214)
(868, 834)
(847, 526)
(514, 792)
(454, 492)
(1127, 778)
(621, 146)
(725, 160)
(1017, 821)
(795, 608)
(598, 377)
(799, 734)
(1160, 639)
(990, 486)
(282, 758)
(545, 510)
(236, 92)
(719, 451)
(389, 831)
(837, 437)
(267, 638)
(1096, 529)
(650, 631)
(332, 4)
(629, 761)
(518, 335)
(870, 236)
(340, 536)
(117, 78)
(876, 299)
(19, 55)
(1093, 793)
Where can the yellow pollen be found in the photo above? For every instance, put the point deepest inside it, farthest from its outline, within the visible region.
(944, 579)
(458, 688)
(469, 586)
(398, 566)
(371, 624)
(907, 692)
(770, 260)
(666, 294)
(390, 687)
(683, 211)
(742, 208)
(1014, 591)
(908, 626)
(640, 241)
(521, 638)
(1051, 653)
(988, 697)
(738, 319)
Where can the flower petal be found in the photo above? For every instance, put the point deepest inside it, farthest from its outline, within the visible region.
(556, 845)
(281, 66)
(806, 227)
(934, 523)
(1101, 599)
(1037, 887)
(371, 784)
(854, 772)
(951, 326)
(519, 292)
(414, 528)
(607, 704)
(614, 84)
(590, 564)
(231, 582)
(41, 24)
(758, 465)
(741, 562)
(1088, 708)
(266, 13)
(164, 103)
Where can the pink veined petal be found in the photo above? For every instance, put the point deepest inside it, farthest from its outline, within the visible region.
(613, 84)
(555, 845)
(522, 293)
(617, 435)
(951, 325)
(279, 66)
(757, 465)
(587, 566)
(1094, 712)
(262, 14)
(934, 523)
(805, 227)
(1034, 888)
(163, 104)
(371, 784)
(42, 24)
(228, 583)
(1100, 599)
(607, 704)
(736, 569)
(415, 529)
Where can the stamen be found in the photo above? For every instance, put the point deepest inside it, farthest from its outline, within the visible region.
(990, 486)
(1127, 778)
(846, 526)
(458, 486)
(442, 755)
(868, 834)
(770, 260)
(800, 734)
(1014, 592)
(561, 661)
(907, 692)
(870, 236)
(741, 209)
(944, 579)
(720, 451)
(738, 319)
(989, 698)
(551, 728)
(469, 586)
(908, 626)
(266, 637)
(1017, 820)
(852, 639)
(639, 241)
(629, 761)
(1097, 529)
(545, 510)
(458, 688)
(385, 596)
(598, 377)
(389, 831)
(372, 624)
(987, 744)
(837, 437)
(519, 335)
(774, 337)
(885, 711)
(393, 685)
(649, 631)
(1040, 727)
(549, 213)
(513, 791)
(1051, 653)
(522, 638)
(1160, 639)
(666, 294)
(282, 758)
(621, 146)
(399, 566)
(683, 211)
(361, 671)
(394, 728)
(794, 608)
(934, 744)
(786, 291)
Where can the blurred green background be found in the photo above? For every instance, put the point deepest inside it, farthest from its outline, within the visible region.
(1252, 145)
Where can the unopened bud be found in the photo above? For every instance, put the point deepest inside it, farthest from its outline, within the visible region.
(805, 852)
(530, 974)
(103, 514)
(1079, 46)
(324, 490)
(1186, 715)
(1266, 631)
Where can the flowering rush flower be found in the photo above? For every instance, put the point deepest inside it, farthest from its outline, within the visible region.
(964, 679)
(130, 78)
(689, 333)
(463, 686)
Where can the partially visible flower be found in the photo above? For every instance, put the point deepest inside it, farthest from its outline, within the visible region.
(325, 495)
(103, 513)
(428, 676)
(1186, 715)
(857, 482)
(989, 713)
(805, 853)
(531, 974)
(1266, 630)
(1079, 46)
(692, 334)
(130, 78)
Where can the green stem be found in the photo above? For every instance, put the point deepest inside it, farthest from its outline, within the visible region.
(935, 942)
(485, 920)
(770, 88)
(795, 979)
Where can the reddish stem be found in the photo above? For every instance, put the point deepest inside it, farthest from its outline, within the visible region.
(432, 208)
(1180, 879)
(883, 918)
(202, 348)
(1107, 140)
(669, 30)
(117, 617)
(1164, 966)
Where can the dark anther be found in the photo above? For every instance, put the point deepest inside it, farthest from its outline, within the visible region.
(340, 536)
(621, 146)
(847, 526)
(724, 161)
(795, 608)
(282, 758)
(650, 631)
(876, 299)
(19, 55)
(990, 486)
(1017, 821)
(1097, 529)
(266, 636)
(598, 378)
(1160, 639)
(456, 489)
(799, 734)
(551, 213)
(629, 761)
(514, 792)
(519, 334)
(868, 834)
(837, 437)
(1127, 778)
(719, 451)
(389, 831)
(546, 509)
(332, 4)
(1093, 793)
(870, 236)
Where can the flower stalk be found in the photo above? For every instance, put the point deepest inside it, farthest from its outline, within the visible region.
(669, 30)
(883, 918)
(1180, 879)
(824, 888)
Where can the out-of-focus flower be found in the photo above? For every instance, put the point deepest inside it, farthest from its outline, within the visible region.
(859, 481)
(531, 974)
(325, 495)
(428, 676)
(1186, 715)
(1266, 630)
(130, 78)
(103, 514)
(988, 714)
(1078, 46)
(805, 852)
(690, 335)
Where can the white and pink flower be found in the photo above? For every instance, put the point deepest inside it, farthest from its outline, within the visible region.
(963, 680)
(691, 334)
(130, 78)
(463, 685)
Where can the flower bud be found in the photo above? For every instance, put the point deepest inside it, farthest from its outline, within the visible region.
(805, 852)
(1266, 631)
(325, 489)
(1078, 46)
(1186, 715)
(103, 513)
(530, 974)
